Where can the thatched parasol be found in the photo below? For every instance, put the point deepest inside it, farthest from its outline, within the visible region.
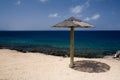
(72, 23)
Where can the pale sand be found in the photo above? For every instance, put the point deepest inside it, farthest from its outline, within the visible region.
(33, 66)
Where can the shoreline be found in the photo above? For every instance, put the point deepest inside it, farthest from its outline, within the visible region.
(59, 51)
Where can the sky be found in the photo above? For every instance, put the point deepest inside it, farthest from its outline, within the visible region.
(42, 14)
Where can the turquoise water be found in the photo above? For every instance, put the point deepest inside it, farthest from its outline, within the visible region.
(85, 41)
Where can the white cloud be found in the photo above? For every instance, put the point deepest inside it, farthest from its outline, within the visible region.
(79, 8)
(76, 9)
(54, 15)
(43, 0)
(18, 2)
(94, 17)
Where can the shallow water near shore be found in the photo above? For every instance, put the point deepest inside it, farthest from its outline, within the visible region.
(87, 43)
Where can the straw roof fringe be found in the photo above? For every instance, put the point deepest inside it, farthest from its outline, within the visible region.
(73, 22)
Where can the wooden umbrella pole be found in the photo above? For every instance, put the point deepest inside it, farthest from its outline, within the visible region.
(72, 47)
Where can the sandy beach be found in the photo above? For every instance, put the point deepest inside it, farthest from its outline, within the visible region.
(35, 66)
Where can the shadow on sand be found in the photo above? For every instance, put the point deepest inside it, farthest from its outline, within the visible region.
(91, 66)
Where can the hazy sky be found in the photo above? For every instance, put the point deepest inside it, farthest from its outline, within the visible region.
(42, 14)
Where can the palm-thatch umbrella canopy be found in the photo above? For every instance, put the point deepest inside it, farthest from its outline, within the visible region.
(72, 23)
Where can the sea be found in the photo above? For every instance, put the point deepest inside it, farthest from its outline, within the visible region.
(87, 43)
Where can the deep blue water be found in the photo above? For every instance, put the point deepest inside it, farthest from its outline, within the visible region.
(85, 40)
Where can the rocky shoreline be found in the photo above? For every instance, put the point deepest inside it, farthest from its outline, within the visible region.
(58, 51)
